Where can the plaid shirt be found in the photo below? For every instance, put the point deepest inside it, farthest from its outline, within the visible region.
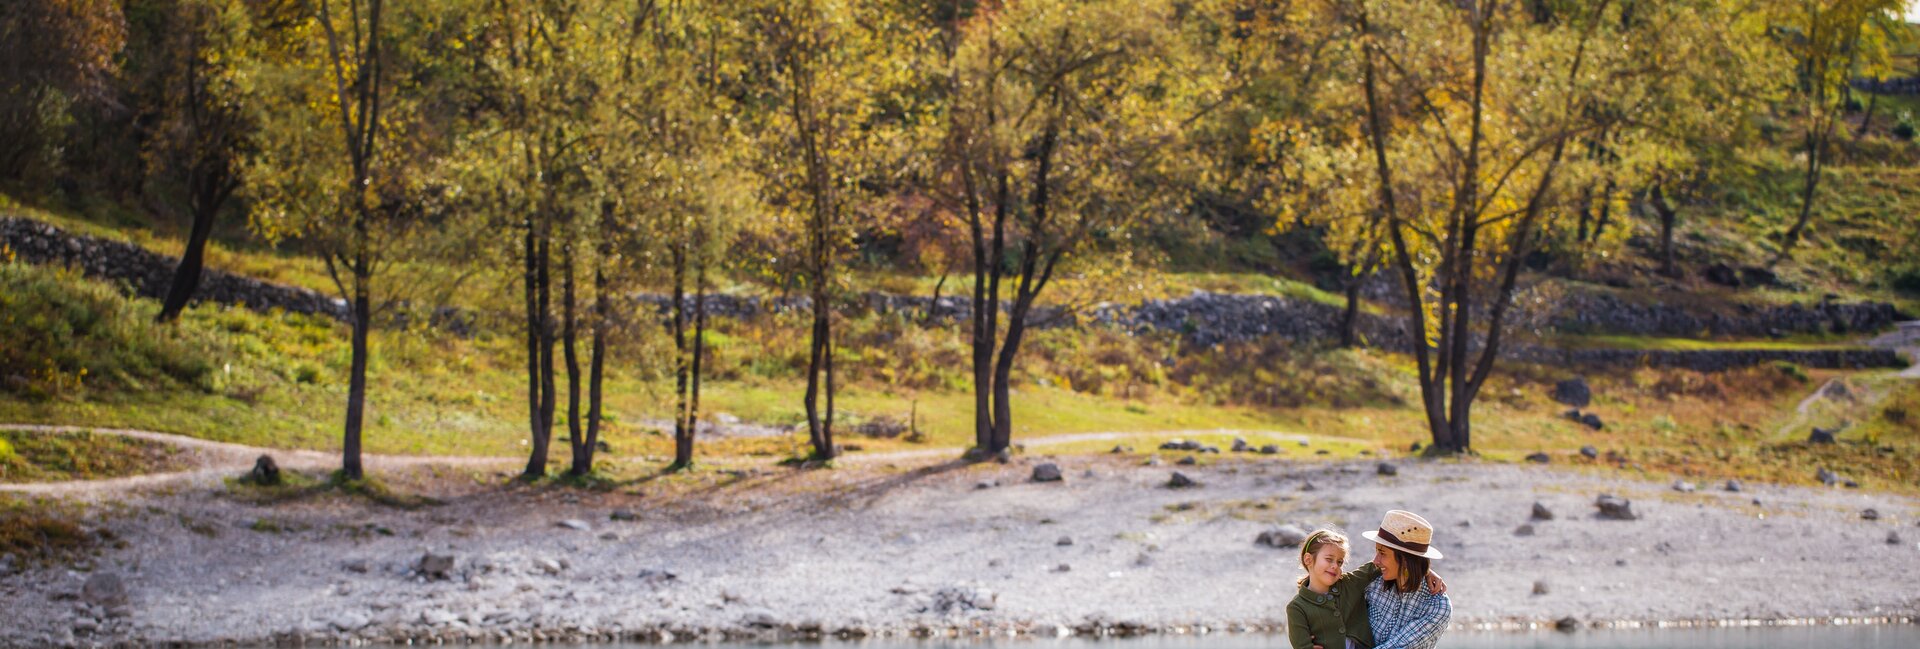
(1406, 620)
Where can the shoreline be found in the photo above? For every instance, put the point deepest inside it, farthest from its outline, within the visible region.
(924, 548)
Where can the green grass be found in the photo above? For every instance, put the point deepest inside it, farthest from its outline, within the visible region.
(30, 456)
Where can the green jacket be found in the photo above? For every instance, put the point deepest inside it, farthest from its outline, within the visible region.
(1313, 618)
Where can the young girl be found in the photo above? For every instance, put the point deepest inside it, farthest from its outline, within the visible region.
(1330, 609)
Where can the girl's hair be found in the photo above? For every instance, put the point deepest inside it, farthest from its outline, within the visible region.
(1413, 570)
(1319, 538)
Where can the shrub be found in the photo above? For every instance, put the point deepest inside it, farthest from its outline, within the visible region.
(1903, 130)
(60, 333)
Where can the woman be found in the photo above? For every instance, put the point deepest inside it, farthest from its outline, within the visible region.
(1403, 611)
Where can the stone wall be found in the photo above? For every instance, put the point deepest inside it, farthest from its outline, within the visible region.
(1602, 313)
(1713, 360)
(148, 274)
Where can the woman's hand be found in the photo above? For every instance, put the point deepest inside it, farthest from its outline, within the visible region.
(1436, 585)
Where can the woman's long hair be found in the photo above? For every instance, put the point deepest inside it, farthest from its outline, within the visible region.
(1413, 570)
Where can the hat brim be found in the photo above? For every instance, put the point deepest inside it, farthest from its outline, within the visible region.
(1374, 536)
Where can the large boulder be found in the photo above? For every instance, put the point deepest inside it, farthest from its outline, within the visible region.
(1615, 508)
(1573, 392)
(1285, 537)
(1047, 472)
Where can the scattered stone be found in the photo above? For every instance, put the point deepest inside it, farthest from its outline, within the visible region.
(986, 484)
(361, 566)
(434, 566)
(1063, 568)
(1240, 445)
(574, 524)
(1539, 588)
(1590, 452)
(104, 589)
(1572, 414)
(1181, 481)
(1270, 449)
(1285, 537)
(1143, 560)
(1047, 472)
(1523, 530)
(1211, 449)
(1386, 468)
(1893, 537)
(1323, 452)
(1180, 445)
(760, 619)
(955, 599)
(1826, 477)
(1734, 485)
(1117, 450)
(1821, 436)
(1850, 484)
(1568, 624)
(1303, 442)
(609, 536)
(1541, 513)
(548, 566)
(1621, 563)
(656, 576)
(624, 515)
(1592, 421)
(1415, 448)
(1573, 392)
(1539, 458)
(1154, 461)
(1683, 486)
(265, 473)
(1004, 456)
(1187, 461)
(1756, 502)
(1064, 541)
(1615, 508)
(350, 621)
(1308, 486)
(1870, 514)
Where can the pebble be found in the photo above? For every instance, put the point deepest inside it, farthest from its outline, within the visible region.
(1683, 486)
(1188, 461)
(1181, 481)
(1386, 468)
(1064, 541)
(1539, 458)
(574, 524)
(1523, 530)
(1541, 513)
(1539, 588)
(1047, 472)
(1870, 514)
(1734, 485)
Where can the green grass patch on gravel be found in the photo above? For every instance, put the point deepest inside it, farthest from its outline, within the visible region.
(33, 456)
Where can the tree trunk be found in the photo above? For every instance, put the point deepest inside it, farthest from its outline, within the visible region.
(699, 354)
(1814, 144)
(1351, 317)
(543, 424)
(682, 433)
(575, 439)
(357, 376)
(583, 461)
(531, 280)
(1668, 215)
(186, 276)
(1866, 121)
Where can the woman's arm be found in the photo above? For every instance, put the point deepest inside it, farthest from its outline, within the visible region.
(1426, 619)
(1358, 577)
(1298, 634)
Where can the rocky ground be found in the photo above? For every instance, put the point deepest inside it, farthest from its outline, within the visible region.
(922, 545)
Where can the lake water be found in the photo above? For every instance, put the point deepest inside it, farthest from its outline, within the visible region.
(1879, 636)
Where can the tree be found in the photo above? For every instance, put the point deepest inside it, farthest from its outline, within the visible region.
(1828, 40)
(1471, 111)
(204, 127)
(345, 163)
(59, 53)
(1062, 118)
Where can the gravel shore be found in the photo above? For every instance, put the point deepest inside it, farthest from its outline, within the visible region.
(931, 547)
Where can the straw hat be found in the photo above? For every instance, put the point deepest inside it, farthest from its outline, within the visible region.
(1406, 532)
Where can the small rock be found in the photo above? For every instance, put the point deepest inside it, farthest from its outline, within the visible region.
(1826, 477)
(350, 621)
(1734, 485)
(1270, 449)
(548, 566)
(265, 473)
(1756, 502)
(1187, 461)
(1590, 452)
(1415, 448)
(1323, 452)
(1572, 415)
(574, 524)
(1683, 486)
(956, 599)
(1573, 392)
(1622, 563)
(1539, 588)
(1180, 445)
(1850, 484)
(1386, 468)
(437, 617)
(1615, 508)
(1063, 568)
(656, 576)
(1592, 421)
(1523, 530)
(1122, 449)
(609, 536)
(1154, 461)
(760, 620)
(1143, 560)
(104, 589)
(1539, 458)
(1211, 449)
(1870, 514)
(1240, 445)
(986, 484)
(1047, 472)
(623, 515)
(1181, 481)
(1568, 624)
(1893, 537)
(1064, 541)
(435, 566)
(1285, 537)
(1541, 513)
(1308, 486)
(361, 566)
(1820, 436)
